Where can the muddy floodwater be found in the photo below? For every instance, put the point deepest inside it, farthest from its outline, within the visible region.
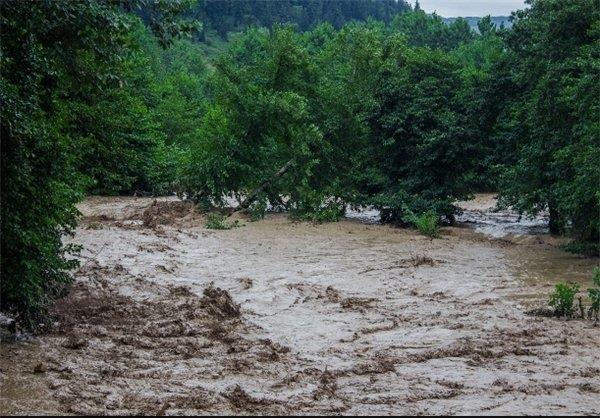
(281, 317)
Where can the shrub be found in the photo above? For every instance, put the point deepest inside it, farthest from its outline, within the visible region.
(562, 299)
(428, 224)
(594, 294)
(316, 210)
(217, 221)
(589, 249)
(258, 210)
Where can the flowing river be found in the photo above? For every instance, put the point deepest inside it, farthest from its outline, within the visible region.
(282, 317)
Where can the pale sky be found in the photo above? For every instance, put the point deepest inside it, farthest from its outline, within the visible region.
(465, 8)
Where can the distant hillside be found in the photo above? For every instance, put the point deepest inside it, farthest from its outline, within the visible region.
(498, 21)
(225, 16)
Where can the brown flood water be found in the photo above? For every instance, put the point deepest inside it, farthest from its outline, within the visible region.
(340, 318)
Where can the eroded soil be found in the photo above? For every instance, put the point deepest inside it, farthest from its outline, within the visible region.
(278, 317)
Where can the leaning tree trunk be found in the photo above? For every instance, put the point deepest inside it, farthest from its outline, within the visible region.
(264, 185)
(556, 223)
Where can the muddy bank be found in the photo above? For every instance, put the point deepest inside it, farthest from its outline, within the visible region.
(168, 317)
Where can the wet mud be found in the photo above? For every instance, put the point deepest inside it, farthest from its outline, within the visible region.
(280, 317)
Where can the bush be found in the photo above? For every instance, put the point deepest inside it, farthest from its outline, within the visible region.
(428, 224)
(258, 210)
(562, 299)
(312, 207)
(589, 249)
(217, 221)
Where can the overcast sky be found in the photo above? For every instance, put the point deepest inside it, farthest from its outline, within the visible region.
(464, 8)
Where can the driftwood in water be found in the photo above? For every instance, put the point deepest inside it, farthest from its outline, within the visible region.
(264, 185)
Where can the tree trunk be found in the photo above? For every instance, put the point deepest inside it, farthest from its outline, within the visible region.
(263, 186)
(554, 224)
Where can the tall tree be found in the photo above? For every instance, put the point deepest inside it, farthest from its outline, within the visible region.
(553, 49)
(54, 55)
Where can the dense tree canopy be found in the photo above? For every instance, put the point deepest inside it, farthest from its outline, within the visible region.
(431, 31)
(554, 125)
(67, 121)
(234, 15)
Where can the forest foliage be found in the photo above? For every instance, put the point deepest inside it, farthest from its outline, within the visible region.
(352, 103)
(225, 16)
(75, 118)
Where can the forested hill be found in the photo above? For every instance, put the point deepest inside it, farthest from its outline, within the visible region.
(234, 15)
(499, 21)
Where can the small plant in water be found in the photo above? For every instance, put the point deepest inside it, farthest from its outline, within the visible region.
(594, 294)
(217, 221)
(563, 298)
(428, 224)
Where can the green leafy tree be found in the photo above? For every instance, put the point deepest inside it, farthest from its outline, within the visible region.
(225, 16)
(175, 97)
(40, 44)
(57, 57)
(423, 30)
(347, 66)
(259, 122)
(419, 135)
(553, 48)
(487, 91)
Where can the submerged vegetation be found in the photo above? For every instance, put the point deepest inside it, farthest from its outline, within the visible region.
(562, 299)
(428, 224)
(594, 294)
(396, 110)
